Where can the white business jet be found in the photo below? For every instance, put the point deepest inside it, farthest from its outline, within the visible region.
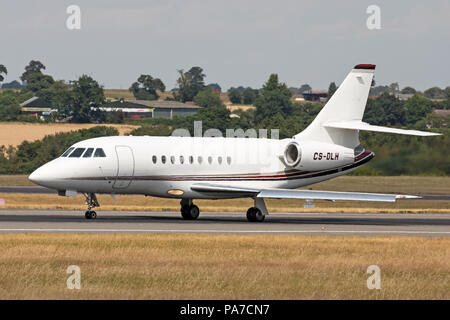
(190, 168)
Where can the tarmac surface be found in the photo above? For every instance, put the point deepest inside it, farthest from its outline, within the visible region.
(343, 224)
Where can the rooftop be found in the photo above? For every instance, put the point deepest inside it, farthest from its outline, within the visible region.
(152, 104)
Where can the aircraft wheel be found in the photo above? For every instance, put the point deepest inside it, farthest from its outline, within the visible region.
(90, 215)
(190, 212)
(255, 215)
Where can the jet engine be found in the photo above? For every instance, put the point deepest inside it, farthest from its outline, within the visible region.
(292, 154)
(312, 156)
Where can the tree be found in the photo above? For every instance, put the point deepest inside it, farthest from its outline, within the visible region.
(189, 84)
(33, 67)
(3, 70)
(235, 96)
(331, 90)
(408, 90)
(274, 98)
(304, 88)
(378, 90)
(214, 86)
(394, 87)
(206, 99)
(146, 86)
(434, 93)
(417, 109)
(38, 82)
(249, 95)
(87, 93)
(385, 110)
(58, 94)
(447, 93)
(12, 85)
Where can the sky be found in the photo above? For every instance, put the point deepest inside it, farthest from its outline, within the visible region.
(236, 42)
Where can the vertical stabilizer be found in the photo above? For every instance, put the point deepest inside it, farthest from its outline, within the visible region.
(347, 104)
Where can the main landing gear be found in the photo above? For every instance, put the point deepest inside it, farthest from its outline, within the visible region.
(92, 202)
(255, 215)
(189, 211)
(258, 212)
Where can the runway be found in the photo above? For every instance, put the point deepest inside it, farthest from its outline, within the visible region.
(344, 224)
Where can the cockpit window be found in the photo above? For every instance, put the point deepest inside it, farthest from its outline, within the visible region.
(66, 153)
(77, 153)
(99, 153)
(88, 153)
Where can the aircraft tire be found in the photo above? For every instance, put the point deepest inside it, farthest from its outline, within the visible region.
(90, 215)
(255, 215)
(190, 212)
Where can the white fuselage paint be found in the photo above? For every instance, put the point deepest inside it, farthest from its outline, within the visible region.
(128, 167)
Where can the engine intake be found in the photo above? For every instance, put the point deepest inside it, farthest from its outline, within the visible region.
(292, 154)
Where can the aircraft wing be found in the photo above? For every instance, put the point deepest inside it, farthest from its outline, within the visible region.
(359, 125)
(298, 194)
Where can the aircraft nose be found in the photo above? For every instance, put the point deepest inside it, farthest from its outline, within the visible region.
(37, 176)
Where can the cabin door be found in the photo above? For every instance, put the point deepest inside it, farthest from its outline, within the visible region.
(125, 167)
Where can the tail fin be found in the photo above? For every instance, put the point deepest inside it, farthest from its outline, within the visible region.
(346, 104)
(340, 120)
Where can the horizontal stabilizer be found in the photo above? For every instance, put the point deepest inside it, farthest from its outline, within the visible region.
(299, 194)
(359, 125)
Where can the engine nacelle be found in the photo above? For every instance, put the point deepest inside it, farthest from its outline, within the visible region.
(312, 156)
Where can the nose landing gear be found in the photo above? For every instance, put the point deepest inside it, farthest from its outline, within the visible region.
(92, 202)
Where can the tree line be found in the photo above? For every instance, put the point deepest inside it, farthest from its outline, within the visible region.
(274, 109)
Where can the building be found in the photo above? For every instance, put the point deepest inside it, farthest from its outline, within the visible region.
(315, 95)
(403, 96)
(441, 112)
(37, 107)
(150, 109)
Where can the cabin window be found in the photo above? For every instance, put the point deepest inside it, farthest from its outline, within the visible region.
(88, 153)
(77, 153)
(154, 159)
(229, 160)
(163, 159)
(210, 160)
(200, 160)
(66, 153)
(172, 159)
(191, 159)
(99, 153)
(219, 160)
(181, 159)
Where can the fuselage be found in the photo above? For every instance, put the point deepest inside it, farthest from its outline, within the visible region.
(169, 166)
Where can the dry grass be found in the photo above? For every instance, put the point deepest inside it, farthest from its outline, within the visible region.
(14, 133)
(128, 95)
(141, 203)
(394, 184)
(33, 266)
(119, 93)
(398, 184)
(240, 107)
(15, 180)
